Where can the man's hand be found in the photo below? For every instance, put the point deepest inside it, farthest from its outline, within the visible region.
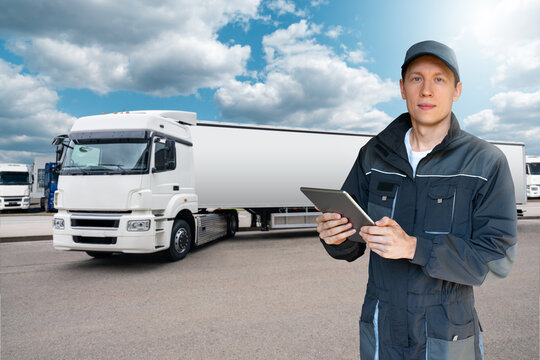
(333, 228)
(389, 240)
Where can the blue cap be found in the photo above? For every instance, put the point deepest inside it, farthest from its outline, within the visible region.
(433, 48)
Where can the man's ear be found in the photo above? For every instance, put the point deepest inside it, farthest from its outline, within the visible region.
(402, 89)
(457, 91)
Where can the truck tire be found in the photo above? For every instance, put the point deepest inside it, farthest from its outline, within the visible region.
(99, 254)
(180, 240)
(232, 224)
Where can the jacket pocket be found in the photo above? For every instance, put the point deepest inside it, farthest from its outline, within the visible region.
(446, 340)
(440, 208)
(382, 200)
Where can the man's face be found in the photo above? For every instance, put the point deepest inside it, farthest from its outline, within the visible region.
(429, 90)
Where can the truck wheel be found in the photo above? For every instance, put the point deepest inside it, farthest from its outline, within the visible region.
(99, 254)
(180, 240)
(232, 224)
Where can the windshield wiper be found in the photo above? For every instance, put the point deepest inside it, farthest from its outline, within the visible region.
(124, 171)
(85, 172)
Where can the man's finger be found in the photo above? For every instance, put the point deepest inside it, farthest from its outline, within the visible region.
(327, 216)
(339, 238)
(376, 230)
(336, 230)
(333, 223)
(385, 221)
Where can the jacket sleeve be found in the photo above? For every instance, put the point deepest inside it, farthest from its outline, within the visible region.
(356, 185)
(493, 245)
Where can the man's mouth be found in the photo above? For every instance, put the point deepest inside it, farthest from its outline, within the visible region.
(426, 106)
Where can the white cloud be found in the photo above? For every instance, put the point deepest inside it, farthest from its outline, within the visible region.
(20, 157)
(307, 84)
(282, 7)
(509, 34)
(520, 68)
(510, 37)
(356, 56)
(513, 117)
(129, 45)
(28, 114)
(317, 3)
(334, 32)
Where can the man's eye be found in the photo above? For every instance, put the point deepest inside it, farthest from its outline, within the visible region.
(416, 78)
(439, 79)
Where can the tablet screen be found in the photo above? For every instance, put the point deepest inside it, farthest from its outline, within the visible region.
(339, 201)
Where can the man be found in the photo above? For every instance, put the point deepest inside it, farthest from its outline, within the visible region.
(444, 206)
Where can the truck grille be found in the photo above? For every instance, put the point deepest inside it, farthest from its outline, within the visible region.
(95, 223)
(94, 240)
(12, 202)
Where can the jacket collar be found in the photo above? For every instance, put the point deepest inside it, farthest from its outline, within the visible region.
(393, 135)
(393, 145)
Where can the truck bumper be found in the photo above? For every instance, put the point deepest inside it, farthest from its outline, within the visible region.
(533, 191)
(15, 203)
(84, 232)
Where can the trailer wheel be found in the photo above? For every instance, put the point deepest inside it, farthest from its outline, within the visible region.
(99, 254)
(180, 240)
(232, 224)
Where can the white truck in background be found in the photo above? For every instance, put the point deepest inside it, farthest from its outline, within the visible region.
(149, 181)
(15, 182)
(533, 176)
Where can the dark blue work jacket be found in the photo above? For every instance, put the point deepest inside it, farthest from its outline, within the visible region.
(461, 208)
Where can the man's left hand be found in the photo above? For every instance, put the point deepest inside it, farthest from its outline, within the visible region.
(389, 240)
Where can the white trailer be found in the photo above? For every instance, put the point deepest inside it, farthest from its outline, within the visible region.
(15, 182)
(533, 176)
(515, 155)
(149, 181)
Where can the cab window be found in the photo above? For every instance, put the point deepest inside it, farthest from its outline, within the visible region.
(164, 155)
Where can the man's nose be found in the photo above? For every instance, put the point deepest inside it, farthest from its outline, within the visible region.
(426, 89)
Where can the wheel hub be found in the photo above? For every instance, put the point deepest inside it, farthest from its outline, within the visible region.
(181, 240)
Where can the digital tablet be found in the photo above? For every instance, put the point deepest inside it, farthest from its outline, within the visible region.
(339, 201)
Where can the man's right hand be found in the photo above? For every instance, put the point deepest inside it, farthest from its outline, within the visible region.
(333, 228)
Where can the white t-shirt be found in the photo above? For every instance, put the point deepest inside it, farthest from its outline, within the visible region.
(414, 156)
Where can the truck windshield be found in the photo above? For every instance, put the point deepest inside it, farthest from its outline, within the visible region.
(106, 156)
(14, 178)
(534, 168)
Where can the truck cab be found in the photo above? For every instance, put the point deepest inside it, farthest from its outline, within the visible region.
(533, 176)
(15, 184)
(126, 182)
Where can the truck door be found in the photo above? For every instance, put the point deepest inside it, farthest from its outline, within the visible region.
(165, 182)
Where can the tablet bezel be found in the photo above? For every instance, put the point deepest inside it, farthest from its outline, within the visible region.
(339, 201)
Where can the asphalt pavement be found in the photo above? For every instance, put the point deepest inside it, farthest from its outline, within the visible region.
(260, 295)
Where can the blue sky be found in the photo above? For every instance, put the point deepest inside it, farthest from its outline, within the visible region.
(315, 63)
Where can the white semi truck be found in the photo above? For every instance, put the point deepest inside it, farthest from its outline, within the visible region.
(149, 181)
(15, 185)
(533, 176)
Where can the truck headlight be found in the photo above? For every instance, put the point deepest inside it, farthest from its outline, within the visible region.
(138, 225)
(26, 200)
(58, 224)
